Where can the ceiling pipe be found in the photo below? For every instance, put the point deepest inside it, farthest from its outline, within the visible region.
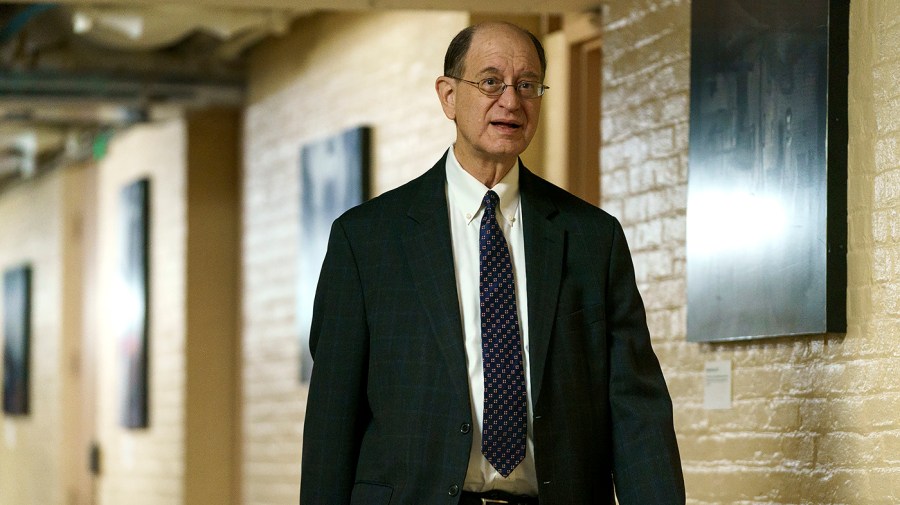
(21, 19)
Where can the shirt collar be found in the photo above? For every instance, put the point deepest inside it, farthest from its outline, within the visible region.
(466, 192)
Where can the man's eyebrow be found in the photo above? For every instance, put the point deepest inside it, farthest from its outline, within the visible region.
(495, 70)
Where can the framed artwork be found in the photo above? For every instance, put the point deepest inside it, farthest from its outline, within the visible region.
(767, 192)
(16, 340)
(334, 175)
(133, 295)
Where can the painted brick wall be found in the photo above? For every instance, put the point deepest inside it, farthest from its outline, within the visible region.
(146, 466)
(814, 419)
(333, 72)
(31, 231)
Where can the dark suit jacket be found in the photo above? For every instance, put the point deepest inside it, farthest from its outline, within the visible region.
(388, 418)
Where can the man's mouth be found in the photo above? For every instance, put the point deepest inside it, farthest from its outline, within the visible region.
(506, 124)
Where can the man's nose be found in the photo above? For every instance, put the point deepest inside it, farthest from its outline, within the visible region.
(510, 98)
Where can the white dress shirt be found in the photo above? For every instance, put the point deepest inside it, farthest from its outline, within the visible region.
(464, 197)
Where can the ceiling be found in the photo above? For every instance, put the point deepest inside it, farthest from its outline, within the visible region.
(73, 71)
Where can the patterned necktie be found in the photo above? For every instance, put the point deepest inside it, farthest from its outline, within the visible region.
(505, 409)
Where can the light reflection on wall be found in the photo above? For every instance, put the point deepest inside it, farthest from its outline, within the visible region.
(723, 222)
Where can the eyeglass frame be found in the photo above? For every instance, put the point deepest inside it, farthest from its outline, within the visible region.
(540, 87)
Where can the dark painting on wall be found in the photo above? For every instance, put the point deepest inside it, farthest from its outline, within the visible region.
(133, 302)
(767, 209)
(333, 178)
(16, 340)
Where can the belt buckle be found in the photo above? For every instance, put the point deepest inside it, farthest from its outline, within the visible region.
(491, 501)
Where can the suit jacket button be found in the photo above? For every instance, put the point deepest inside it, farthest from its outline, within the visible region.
(465, 428)
(453, 490)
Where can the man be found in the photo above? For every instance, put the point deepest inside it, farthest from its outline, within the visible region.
(477, 333)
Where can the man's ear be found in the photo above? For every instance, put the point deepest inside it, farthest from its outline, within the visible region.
(446, 90)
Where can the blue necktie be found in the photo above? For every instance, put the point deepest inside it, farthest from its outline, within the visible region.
(505, 400)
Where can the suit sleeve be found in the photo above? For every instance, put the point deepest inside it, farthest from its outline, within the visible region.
(337, 410)
(646, 462)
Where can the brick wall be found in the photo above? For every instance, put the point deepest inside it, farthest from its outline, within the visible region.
(814, 419)
(31, 231)
(145, 466)
(188, 453)
(42, 454)
(333, 72)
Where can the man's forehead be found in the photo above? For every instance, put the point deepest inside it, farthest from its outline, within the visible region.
(496, 44)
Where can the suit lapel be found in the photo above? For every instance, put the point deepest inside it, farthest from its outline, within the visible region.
(429, 251)
(544, 249)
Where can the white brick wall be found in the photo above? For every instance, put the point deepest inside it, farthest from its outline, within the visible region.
(814, 419)
(31, 230)
(145, 467)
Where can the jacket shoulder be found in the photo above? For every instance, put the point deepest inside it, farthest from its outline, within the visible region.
(569, 207)
(396, 202)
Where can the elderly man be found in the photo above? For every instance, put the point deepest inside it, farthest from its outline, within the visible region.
(478, 335)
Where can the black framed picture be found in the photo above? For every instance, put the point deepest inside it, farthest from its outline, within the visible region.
(334, 175)
(767, 193)
(133, 295)
(16, 340)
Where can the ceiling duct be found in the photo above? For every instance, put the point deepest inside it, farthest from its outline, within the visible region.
(70, 72)
(159, 26)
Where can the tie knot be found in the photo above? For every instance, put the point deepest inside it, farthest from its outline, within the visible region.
(491, 200)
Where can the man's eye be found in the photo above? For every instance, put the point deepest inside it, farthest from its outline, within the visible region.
(526, 85)
(490, 81)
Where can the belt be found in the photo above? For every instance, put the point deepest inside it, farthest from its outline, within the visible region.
(495, 498)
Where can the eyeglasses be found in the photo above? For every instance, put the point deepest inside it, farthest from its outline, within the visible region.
(493, 87)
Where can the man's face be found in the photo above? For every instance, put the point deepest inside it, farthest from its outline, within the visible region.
(494, 129)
